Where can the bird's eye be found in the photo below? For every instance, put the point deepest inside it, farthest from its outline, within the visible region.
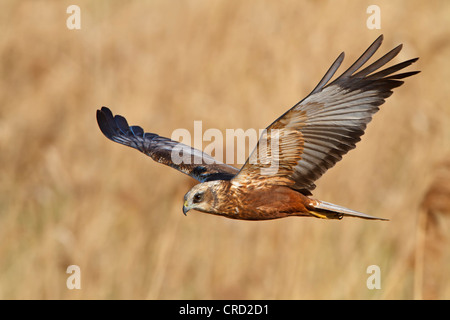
(198, 197)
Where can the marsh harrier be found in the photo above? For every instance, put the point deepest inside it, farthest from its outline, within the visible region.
(311, 137)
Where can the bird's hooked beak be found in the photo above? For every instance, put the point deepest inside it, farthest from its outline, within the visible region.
(186, 207)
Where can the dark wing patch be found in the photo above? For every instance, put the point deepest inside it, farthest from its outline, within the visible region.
(188, 160)
(314, 134)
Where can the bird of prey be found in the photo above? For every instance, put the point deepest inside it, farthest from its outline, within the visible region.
(311, 137)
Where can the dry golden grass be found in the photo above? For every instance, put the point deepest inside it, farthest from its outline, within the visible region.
(432, 236)
(70, 196)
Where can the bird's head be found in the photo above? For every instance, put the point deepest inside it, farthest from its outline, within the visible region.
(202, 197)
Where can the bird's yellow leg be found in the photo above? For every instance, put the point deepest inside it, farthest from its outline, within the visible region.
(318, 215)
(328, 216)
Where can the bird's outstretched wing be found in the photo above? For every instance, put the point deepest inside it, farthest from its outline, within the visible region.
(312, 136)
(190, 161)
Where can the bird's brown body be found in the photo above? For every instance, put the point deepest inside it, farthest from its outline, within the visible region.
(270, 203)
(260, 203)
(295, 150)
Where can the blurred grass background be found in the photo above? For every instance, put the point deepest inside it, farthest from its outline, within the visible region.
(70, 196)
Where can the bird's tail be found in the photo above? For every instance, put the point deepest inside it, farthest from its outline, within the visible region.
(326, 210)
